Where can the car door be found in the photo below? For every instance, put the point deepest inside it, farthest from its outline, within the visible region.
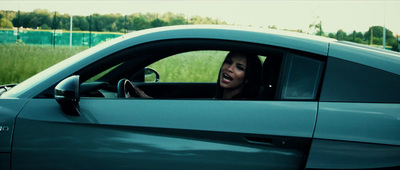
(163, 134)
(176, 133)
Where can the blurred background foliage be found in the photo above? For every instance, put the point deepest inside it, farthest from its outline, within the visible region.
(46, 20)
(41, 19)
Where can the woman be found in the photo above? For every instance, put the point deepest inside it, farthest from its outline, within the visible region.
(239, 76)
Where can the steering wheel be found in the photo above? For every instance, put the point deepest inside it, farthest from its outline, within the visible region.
(125, 89)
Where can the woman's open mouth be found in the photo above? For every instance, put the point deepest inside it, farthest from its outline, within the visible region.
(226, 78)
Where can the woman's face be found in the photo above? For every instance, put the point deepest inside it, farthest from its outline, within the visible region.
(233, 72)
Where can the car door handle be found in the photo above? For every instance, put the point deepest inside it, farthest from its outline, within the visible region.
(259, 140)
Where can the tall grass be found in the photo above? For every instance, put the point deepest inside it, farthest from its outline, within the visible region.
(19, 62)
(197, 66)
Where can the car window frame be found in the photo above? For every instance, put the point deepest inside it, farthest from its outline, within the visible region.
(140, 61)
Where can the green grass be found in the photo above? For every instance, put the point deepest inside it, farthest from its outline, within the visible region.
(19, 62)
(197, 66)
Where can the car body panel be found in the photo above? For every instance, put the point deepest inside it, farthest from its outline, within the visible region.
(5, 160)
(359, 122)
(384, 60)
(358, 116)
(9, 109)
(347, 81)
(332, 154)
(356, 136)
(202, 133)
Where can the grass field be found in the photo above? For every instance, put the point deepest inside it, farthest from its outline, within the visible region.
(197, 66)
(19, 62)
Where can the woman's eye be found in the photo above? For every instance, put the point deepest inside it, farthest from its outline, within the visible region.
(240, 68)
(228, 61)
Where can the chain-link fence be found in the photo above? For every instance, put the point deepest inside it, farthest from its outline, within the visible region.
(55, 38)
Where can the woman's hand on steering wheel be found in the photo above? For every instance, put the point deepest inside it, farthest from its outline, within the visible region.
(127, 90)
(140, 92)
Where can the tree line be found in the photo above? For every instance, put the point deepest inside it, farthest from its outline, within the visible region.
(374, 35)
(46, 20)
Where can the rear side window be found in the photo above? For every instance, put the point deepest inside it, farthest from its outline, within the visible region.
(301, 77)
(347, 81)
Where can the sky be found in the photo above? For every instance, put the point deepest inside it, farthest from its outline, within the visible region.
(348, 15)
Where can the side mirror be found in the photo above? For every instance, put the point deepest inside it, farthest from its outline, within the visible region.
(145, 75)
(66, 94)
(151, 75)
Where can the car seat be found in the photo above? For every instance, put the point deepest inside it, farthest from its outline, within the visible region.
(270, 75)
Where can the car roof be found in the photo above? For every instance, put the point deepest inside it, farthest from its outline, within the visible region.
(279, 38)
(370, 56)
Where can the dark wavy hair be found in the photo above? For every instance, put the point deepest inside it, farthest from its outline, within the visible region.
(252, 77)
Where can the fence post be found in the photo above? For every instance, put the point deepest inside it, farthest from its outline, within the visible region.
(19, 25)
(90, 31)
(70, 34)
